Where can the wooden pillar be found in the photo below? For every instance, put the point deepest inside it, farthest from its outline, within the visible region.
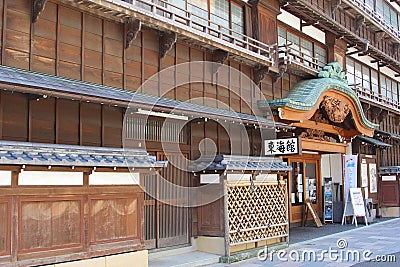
(336, 49)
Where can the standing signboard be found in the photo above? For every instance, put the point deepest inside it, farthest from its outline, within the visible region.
(355, 206)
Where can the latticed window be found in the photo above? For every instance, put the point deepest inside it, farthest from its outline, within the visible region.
(281, 36)
(155, 130)
(374, 82)
(225, 13)
(301, 46)
(320, 54)
(350, 71)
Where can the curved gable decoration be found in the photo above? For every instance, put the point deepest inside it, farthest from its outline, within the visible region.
(331, 91)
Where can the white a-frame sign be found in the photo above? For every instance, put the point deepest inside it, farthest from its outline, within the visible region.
(354, 206)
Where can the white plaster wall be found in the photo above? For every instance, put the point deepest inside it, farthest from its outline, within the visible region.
(5, 178)
(114, 178)
(50, 178)
(289, 19)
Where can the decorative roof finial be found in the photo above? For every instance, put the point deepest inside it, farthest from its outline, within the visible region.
(333, 70)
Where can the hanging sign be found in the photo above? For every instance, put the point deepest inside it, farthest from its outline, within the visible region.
(350, 173)
(364, 174)
(286, 146)
(373, 187)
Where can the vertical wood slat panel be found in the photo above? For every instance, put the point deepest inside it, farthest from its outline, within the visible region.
(5, 226)
(3, 30)
(49, 223)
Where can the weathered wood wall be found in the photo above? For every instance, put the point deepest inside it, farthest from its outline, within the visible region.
(36, 119)
(44, 224)
(71, 43)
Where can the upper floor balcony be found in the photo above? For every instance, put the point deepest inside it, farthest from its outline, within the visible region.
(220, 27)
(301, 54)
(335, 17)
(386, 20)
(376, 98)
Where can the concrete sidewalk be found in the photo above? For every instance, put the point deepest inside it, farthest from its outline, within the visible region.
(380, 241)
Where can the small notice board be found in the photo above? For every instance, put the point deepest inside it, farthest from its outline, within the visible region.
(313, 214)
(354, 206)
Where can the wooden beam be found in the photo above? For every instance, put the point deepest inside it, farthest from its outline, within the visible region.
(319, 126)
(167, 40)
(133, 26)
(38, 7)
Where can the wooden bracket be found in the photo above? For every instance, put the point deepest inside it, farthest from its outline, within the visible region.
(397, 120)
(38, 7)
(282, 67)
(259, 73)
(365, 107)
(375, 111)
(379, 36)
(382, 115)
(219, 56)
(335, 5)
(360, 20)
(395, 48)
(167, 40)
(133, 26)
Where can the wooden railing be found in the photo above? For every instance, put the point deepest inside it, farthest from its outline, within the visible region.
(175, 15)
(290, 54)
(375, 16)
(369, 94)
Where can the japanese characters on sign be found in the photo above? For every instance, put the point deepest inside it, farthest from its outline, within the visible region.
(286, 146)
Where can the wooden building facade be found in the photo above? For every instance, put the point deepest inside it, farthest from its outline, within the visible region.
(72, 72)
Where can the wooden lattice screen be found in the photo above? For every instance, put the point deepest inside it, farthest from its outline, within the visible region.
(258, 214)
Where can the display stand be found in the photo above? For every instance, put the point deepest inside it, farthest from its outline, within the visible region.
(354, 206)
(328, 200)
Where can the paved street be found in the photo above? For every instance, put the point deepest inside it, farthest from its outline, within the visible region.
(379, 242)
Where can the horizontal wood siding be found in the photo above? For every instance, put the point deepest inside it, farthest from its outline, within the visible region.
(50, 120)
(70, 43)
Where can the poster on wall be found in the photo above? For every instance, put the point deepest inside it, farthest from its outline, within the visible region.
(364, 175)
(373, 180)
(350, 173)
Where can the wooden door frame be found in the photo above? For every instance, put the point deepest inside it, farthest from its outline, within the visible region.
(159, 242)
(306, 158)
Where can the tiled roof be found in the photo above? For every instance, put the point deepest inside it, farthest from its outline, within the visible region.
(67, 155)
(239, 163)
(305, 95)
(380, 133)
(58, 85)
(373, 141)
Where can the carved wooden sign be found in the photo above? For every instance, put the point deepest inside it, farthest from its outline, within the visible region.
(285, 146)
(336, 109)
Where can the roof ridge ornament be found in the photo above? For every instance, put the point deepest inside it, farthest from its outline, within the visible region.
(333, 70)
